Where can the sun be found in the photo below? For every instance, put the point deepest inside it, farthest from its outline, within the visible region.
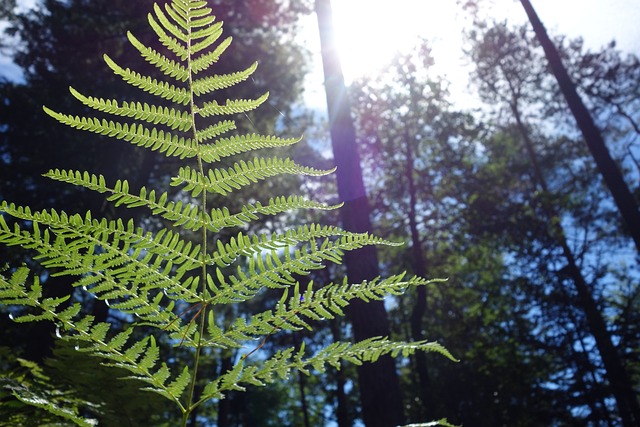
(370, 32)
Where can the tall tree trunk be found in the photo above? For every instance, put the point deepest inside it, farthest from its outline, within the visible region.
(419, 269)
(608, 168)
(378, 382)
(342, 412)
(304, 407)
(224, 405)
(621, 387)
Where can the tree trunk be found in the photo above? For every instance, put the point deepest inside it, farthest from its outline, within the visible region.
(378, 383)
(342, 411)
(606, 165)
(224, 405)
(419, 269)
(304, 407)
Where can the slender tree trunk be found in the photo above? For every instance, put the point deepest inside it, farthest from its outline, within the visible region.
(378, 383)
(608, 168)
(224, 405)
(342, 412)
(302, 388)
(621, 387)
(42, 336)
(595, 398)
(419, 268)
(303, 399)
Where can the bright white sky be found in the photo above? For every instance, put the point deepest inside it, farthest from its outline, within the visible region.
(369, 31)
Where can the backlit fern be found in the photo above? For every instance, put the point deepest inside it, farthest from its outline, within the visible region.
(147, 275)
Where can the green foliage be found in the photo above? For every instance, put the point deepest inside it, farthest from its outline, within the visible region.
(33, 388)
(148, 277)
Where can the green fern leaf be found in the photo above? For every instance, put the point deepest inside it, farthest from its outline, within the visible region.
(150, 276)
(231, 106)
(162, 89)
(202, 62)
(217, 82)
(225, 147)
(167, 66)
(165, 142)
(148, 113)
(241, 174)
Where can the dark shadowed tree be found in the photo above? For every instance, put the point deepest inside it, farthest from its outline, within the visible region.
(610, 171)
(378, 382)
(506, 70)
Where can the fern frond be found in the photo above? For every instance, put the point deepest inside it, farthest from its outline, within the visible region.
(231, 106)
(174, 45)
(165, 65)
(202, 62)
(180, 16)
(222, 218)
(325, 303)
(269, 271)
(48, 403)
(148, 113)
(164, 142)
(441, 422)
(181, 214)
(140, 359)
(225, 147)
(124, 268)
(255, 244)
(94, 335)
(210, 35)
(241, 174)
(283, 362)
(148, 275)
(202, 18)
(217, 82)
(148, 84)
(215, 130)
(16, 291)
(165, 244)
(173, 29)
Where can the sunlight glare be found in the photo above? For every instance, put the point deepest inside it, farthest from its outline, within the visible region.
(370, 32)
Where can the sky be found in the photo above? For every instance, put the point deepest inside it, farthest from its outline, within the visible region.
(369, 30)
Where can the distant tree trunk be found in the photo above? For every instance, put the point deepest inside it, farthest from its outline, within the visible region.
(608, 168)
(301, 388)
(419, 269)
(224, 405)
(378, 383)
(342, 412)
(42, 337)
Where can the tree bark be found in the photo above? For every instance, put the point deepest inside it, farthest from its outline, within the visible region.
(342, 412)
(593, 137)
(378, 382)
(419, 269)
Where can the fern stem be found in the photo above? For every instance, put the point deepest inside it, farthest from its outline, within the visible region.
(203, 316)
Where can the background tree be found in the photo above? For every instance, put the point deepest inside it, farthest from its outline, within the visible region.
(378, 383)
(610, 171)
(505, 61)
(481, 310)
